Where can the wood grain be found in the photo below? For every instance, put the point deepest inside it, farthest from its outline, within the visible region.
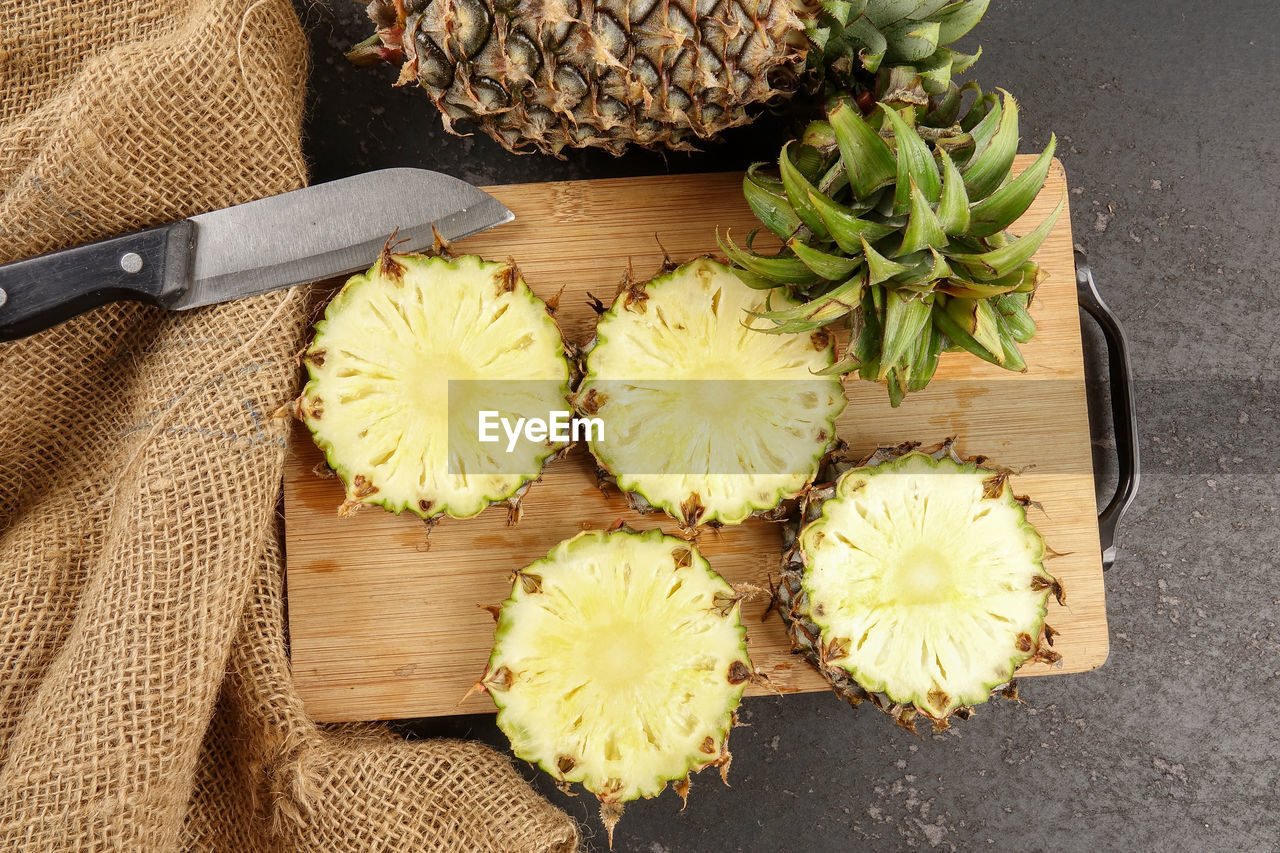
(383, 627)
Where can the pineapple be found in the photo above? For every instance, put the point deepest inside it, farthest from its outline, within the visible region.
(550, 74)
(703, 417)
(915, 582)
(896, 226)
(379, 401)
(618, 663)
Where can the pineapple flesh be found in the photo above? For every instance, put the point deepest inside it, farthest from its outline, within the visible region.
(703, 417)
(378, 401)
(618, 663)
(917, 583)
(549, 74)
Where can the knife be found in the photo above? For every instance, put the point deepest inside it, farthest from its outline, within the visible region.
(302, 236)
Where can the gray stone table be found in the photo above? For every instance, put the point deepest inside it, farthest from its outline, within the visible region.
(1167, 116)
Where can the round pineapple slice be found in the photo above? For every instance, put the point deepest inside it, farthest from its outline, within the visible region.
(917, 583)
(702, 416)
(618, 662)
(380, 403)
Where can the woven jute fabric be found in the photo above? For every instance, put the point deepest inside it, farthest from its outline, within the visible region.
(145, 695)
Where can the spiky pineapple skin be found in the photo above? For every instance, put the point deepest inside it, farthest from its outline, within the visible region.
(807, 635)
(544, 75)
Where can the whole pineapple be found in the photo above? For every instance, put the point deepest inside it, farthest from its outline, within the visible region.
(548, 74)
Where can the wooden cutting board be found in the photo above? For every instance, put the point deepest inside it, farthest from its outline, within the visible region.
(384, 626)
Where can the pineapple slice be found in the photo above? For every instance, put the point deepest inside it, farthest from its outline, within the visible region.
(618, 662)
(702, 416)
(379, 402)
(917, 583)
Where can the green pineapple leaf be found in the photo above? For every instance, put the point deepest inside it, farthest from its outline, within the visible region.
(873, 301)
(882, 13)
(927, 274)
(915, 164)
(926, 10)
(960, 18)
(780, 269)
(822, 310)
(958, 336)
(993, 156)
(1000, 262)
(868, 160)
(767, 198)
(828, 266)
(906, 317)
(879, 268)
(846, 226)
(965, 289)
(924, 361)
(1013, 359)
(912, 41)
(873, 45)
(798, 190)
(977, 318)
(953, 206)
(840, 11)
(754, 281)
(1013, 307)
(923, 231)
(999, 210)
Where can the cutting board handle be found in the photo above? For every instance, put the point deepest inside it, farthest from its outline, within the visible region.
(1124, 419)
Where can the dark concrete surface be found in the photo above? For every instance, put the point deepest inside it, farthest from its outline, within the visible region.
(1169, 133)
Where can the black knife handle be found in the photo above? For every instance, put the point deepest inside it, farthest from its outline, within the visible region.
(150, 266)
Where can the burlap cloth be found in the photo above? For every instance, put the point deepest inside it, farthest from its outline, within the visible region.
(145, 696)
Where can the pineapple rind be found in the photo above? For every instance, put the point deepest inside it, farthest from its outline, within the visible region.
(939, 651)
(549, 74)
(434, 320)
(663, 353)
(611, 631)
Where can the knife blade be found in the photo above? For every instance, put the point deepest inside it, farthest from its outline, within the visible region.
(310, 234)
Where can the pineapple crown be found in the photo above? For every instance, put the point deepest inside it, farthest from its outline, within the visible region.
(895, 50)
(895, 224)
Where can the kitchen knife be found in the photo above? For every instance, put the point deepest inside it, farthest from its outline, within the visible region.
(302, 236)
